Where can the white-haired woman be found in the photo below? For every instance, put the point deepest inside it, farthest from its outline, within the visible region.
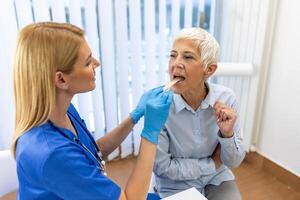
(201, 138)
(56, 156)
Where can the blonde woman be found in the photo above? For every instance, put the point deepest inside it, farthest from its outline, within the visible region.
(56, 156)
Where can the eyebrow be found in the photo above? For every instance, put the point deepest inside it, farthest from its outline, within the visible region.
(185, 52)
(189, 52)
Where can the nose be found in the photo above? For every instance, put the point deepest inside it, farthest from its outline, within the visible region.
(179, 65)
(175, 66)
(178, 62)
(97, 63)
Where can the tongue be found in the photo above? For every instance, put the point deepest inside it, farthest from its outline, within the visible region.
(171, 83)
(180, 78)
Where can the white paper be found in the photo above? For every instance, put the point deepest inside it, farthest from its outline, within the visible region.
(189, 194)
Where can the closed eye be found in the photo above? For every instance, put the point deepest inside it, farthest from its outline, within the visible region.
(172, 55)
(188, 57)
(88, 59)
(88, 63)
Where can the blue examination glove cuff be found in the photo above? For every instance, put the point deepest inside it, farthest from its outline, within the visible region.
(135, 117)
(150, 136)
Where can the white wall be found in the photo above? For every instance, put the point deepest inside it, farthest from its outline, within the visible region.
(7, 41)
(241, 28)
(280, 130)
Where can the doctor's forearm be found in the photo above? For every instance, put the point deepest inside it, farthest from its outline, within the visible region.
(138, 183)
(115, 137)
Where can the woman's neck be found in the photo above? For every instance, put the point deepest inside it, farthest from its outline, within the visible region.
(195, 97)
(59, 115)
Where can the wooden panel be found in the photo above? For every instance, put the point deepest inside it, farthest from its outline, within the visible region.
(260, 185)
(282, 174)
(253, 183)
(260, 162)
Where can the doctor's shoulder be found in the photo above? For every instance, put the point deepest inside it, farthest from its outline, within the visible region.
(38, 142)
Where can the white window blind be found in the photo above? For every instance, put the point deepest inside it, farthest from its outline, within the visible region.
(132, 39)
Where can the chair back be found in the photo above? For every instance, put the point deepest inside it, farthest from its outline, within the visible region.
(152, 184)
(8, 174)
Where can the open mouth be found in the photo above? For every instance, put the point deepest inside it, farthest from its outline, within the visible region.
(179, 78)
(175, 80)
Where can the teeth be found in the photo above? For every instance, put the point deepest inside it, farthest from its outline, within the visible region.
(168, 86)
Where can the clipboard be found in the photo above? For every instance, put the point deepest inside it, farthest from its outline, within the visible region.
(189, 194)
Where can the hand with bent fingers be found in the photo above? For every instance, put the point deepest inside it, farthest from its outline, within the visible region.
(225, 117)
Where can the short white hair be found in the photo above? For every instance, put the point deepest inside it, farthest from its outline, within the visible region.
(207, 45)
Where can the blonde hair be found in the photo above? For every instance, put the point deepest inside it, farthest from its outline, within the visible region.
(206, 44)
(42, 49)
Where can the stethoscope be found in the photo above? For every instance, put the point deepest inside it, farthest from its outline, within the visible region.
(97, 157)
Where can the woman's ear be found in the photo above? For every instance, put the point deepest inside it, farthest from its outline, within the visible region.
(60, 81)
(210, 70)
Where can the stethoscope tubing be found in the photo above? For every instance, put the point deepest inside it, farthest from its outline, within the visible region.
(98, 159)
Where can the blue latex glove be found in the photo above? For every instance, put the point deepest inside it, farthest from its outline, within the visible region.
(156, 114)
(139, 111)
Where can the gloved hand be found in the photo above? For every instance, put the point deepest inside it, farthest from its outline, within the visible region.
(156, 114)
(139, 111)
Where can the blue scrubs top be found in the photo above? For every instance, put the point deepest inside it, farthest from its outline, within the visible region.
(53, 166)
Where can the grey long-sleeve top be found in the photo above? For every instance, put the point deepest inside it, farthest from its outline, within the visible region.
(188, 140)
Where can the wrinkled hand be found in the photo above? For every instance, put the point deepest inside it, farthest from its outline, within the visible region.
(217, 156)
(225, 117)
(139, 111)
(156, 114)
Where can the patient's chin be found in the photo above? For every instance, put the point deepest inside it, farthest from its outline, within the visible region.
(176, 91)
